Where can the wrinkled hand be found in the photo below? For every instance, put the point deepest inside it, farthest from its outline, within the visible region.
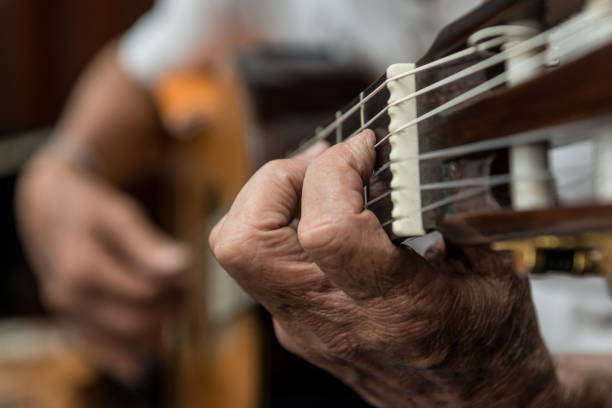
(456, 328)
(100, 263)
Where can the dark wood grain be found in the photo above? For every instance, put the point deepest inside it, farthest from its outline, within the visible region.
(484, 228)
(559, 11)
(44, 45)
(455, 35)
(577, 91)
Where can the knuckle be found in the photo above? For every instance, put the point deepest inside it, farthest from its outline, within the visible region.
(342, 149)
(57, 297)
(342, 152)
(233, 253)
(134, 323)
(235, 247)
(212, 237)
(282, 169)
(328, 236)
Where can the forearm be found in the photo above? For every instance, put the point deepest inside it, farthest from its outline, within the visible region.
(586, 379)
(113, 119)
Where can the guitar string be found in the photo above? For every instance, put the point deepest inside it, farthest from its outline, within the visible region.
(519, 49)
(488, 145)
(484, 181)
(332, 127)
(463, 195)
(329, 129)
(525, 46)
(581, 23)
(466, 96)
(450, 151)
(448, 80)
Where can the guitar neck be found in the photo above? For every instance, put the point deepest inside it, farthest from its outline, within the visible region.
(445, 133)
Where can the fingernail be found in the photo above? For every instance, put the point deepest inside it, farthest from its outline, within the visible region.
(369, 136)
(315, 150)
(172, 258)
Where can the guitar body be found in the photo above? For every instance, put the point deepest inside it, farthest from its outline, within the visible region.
(210, 112)
(210, 364)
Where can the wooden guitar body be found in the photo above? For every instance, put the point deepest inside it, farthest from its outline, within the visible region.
(209, 363)
(211, 113)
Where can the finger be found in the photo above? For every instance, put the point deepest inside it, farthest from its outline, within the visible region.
(127, 322)
(267, 185)
(345, 241)
(256, 229)
(108, 277)
(276, 189)
(255, 242)
(313, 151)
(135, 312)
(128, 232)
(122, 360)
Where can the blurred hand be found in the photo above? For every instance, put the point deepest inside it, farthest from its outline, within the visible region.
(455, 328)
(100, 262)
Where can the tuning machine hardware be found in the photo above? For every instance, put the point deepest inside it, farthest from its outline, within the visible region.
(588, 254)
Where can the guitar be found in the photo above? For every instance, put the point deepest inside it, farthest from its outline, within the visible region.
(212, 363)
(465, 135)
(451, 154)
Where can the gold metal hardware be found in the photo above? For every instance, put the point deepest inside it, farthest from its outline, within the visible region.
(587, 254)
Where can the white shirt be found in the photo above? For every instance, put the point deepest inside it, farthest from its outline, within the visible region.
(574, 314)
(379, 32)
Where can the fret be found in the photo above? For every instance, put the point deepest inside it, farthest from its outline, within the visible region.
(355, 116)
(354, 110)
(361, 109)
(339, 127)
(374, 106)
(375, 192)
(318, 131)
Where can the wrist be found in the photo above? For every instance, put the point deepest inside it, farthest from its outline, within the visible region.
(70, 152)
(500, 358)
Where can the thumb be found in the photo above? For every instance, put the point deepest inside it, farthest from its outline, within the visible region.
(128, 231)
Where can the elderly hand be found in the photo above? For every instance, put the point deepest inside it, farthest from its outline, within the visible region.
(101, 263)
(456, 328)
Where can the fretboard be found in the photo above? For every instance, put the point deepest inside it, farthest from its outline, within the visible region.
(367, 111)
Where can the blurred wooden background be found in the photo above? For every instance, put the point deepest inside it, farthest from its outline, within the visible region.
(44, 44)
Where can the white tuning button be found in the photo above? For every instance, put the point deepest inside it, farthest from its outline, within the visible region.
(603, 175)
(531, 187)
